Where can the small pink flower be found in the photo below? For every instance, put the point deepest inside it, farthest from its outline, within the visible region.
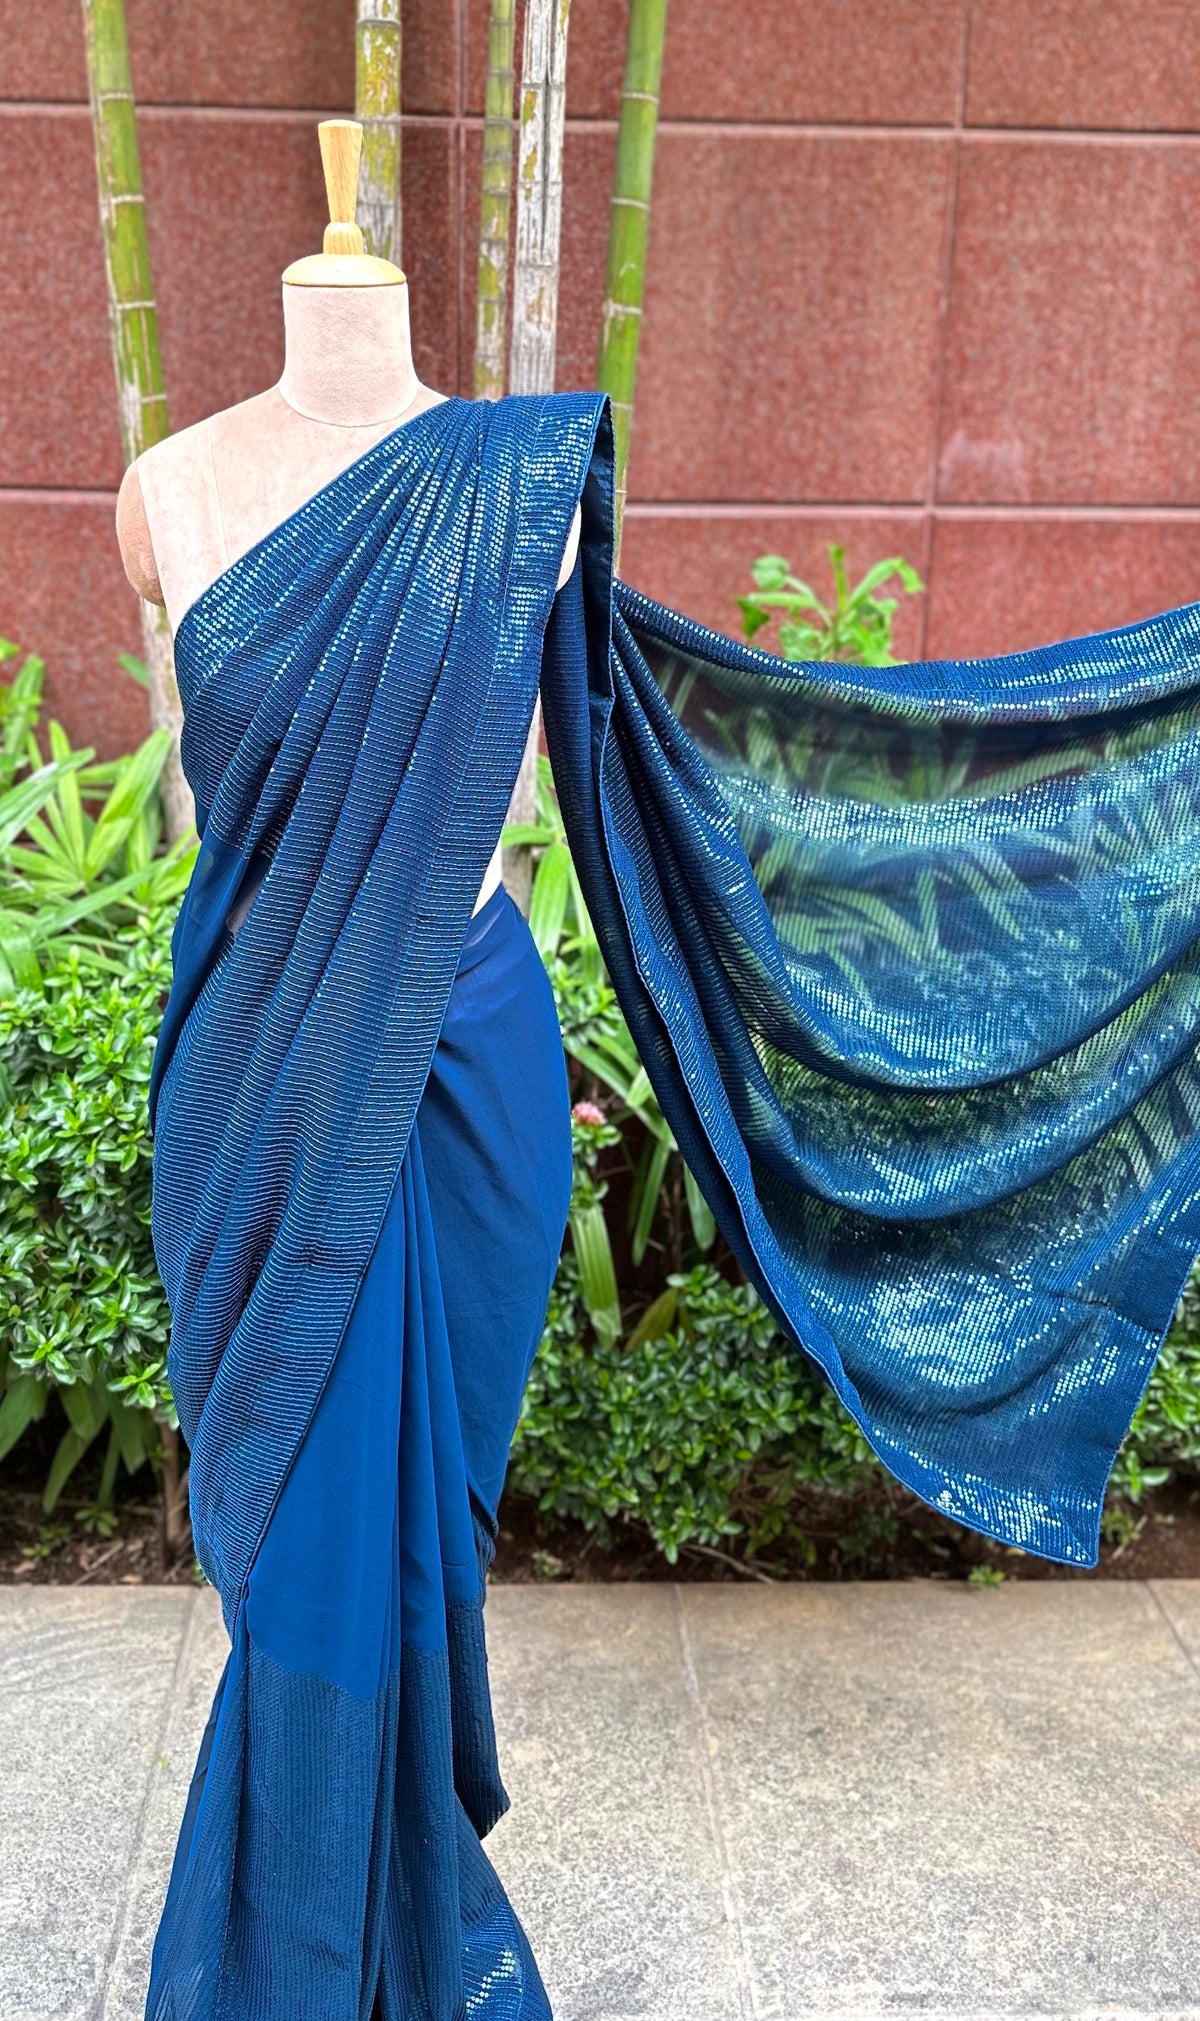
(588, 1112)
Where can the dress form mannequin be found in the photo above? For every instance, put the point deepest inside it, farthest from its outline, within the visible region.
(194, 503)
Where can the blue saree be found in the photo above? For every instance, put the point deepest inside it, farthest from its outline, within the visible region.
(910, 957)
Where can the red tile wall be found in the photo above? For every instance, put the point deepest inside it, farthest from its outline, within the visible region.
(924, 278)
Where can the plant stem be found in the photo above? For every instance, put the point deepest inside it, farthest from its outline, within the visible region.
(495, 204)
(133, 323)
(535, 301)
(176, 1526)
(377, 69)
(629, 225)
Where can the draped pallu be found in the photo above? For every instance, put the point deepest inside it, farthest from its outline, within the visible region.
(910, 955)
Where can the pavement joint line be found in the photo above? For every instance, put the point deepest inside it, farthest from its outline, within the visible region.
(99, 2005)
(1151, 1586)
(730, 1892)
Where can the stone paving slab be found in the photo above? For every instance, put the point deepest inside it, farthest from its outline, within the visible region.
(204, 1646)
(729, 1804)
(611, 1853)
(86, 1683)
(940, 1799)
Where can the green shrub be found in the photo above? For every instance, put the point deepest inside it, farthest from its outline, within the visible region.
(87, 893)
(705, 1425)
(701, 1427)
(1164, 1438)
(81, 1305)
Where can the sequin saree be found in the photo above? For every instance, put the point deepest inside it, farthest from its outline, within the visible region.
(910, 955)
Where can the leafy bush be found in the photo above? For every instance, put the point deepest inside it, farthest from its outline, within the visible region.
(81, 1304)
(705, 1425)
(79, 841)
(86, 897)
(701, 1427)
(603, 1061)
(1164, 1438)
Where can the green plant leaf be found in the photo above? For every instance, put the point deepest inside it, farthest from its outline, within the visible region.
(770, 571)
(70, 1450)
(20, 803)
(164, 879)
(87, 1409)
(18, 1409)
(656, 1321)
(548, 899)
(643, 1201)
(135, 782)
(19, 966)
(527, 835)
(132, 1431)
(64, 810)
(597, 1276)
(704, 1228)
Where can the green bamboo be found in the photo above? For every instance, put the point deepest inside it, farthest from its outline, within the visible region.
(629, 224)
(377, 52)
(495, 204)
(141, 398)
(133, 323)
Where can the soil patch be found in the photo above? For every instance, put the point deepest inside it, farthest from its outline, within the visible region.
(882, 1536)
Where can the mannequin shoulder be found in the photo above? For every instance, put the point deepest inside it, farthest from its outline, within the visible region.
(177, 467)
(133, 539)
(571, 549)
(168, 497)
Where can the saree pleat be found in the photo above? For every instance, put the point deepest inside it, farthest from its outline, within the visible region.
(357, 694)
(351, 1762)
(911, 957)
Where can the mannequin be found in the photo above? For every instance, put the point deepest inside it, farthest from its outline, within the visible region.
(196, 502)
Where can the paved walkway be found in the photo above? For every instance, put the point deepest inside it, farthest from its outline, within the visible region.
(728, 1804)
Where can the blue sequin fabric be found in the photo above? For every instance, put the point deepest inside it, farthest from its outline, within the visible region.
(910, 955)
(362, 1170)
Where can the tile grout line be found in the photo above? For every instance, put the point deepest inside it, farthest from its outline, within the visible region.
(1135, 513)
(1151, 1586)
(98, 2009)
(748, 2007)
(971, 134)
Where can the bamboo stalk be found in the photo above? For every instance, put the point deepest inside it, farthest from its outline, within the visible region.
(539, 196)
(535, 301)
(133, 323)
(629, 224)
(495, 204)
(377, 69)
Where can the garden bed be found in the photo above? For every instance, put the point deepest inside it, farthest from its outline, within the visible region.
(880, 1535)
